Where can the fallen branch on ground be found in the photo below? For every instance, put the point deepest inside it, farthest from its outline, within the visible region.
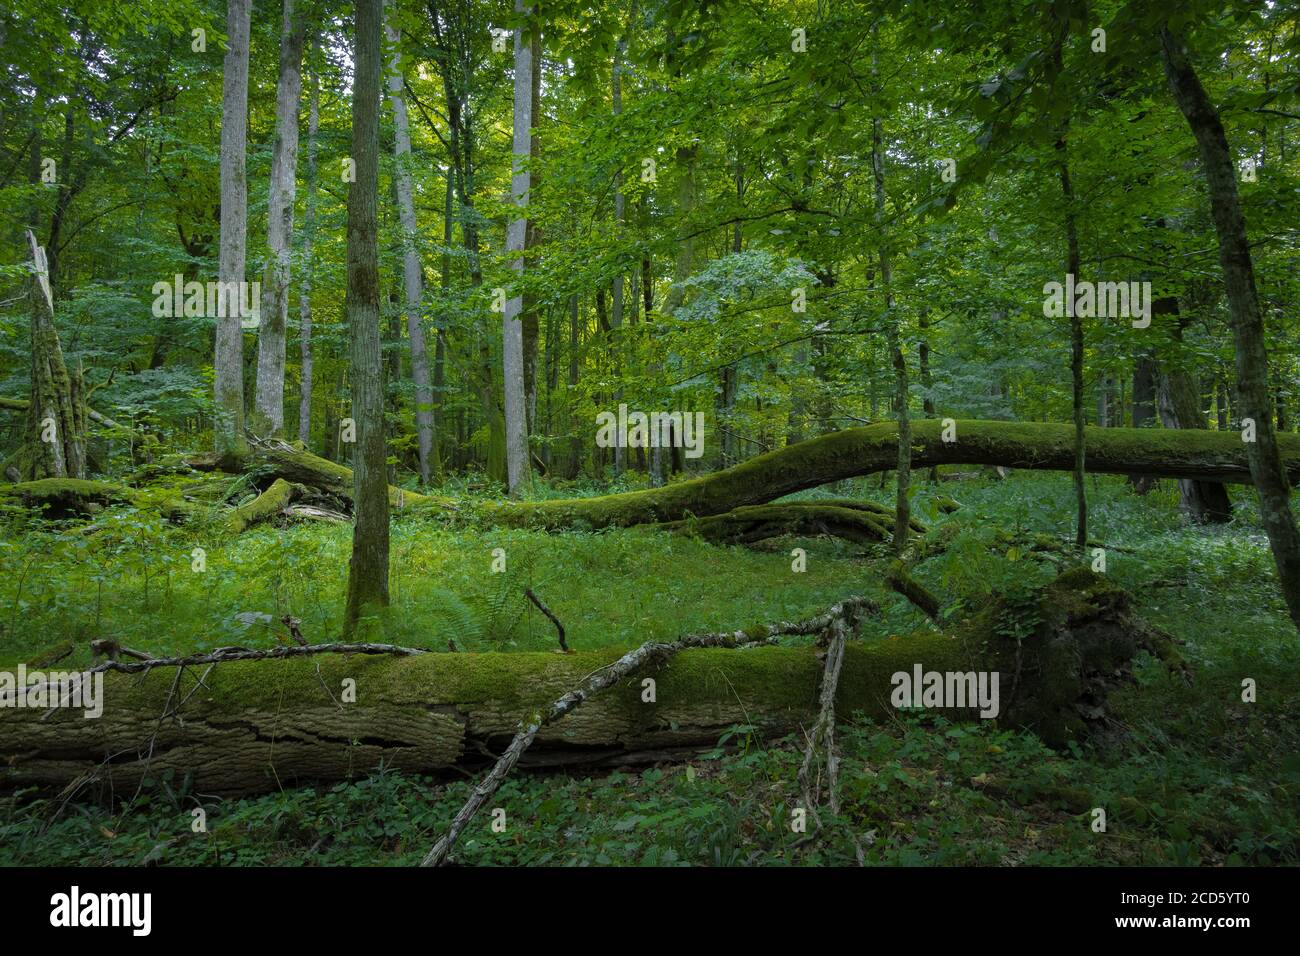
(628, 664)
(547, 611)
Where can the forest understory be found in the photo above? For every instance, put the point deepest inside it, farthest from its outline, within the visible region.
(915, 788)
(649, 432)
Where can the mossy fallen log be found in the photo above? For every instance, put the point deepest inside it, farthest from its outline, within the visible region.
(271, 502)
(1173, 453)
(257, 725)
(59, 498)
(303, 468)
(754, 523)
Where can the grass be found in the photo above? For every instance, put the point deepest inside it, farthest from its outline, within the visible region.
(1192, 774)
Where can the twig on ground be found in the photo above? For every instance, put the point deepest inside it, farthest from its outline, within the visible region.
(528, 592)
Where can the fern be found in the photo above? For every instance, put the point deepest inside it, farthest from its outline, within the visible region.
(453, 618)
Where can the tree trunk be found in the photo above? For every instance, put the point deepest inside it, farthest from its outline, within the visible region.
(528, 319)
(1145, 377)
(260, 725)
(228, 357)
(412, 273)
(903, 461)
(1247, 322)
(1072, 267)
(1179, 407)
(854, 452)
(512, 333)
(368, 570)
(268, 413)
(55, 436)
(304, 288)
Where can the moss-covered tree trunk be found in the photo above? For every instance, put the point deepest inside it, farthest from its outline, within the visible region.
(256, 726)
(368, 570)
(56, 412)
(1266, 465)
(1209, 456)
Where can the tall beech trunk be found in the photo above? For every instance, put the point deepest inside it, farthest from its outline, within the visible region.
(368, 570)
(304, 287)
(228, 355)
(528, 316)
(1247, 321)
(512, 332)
(412, 273)
(268, 411)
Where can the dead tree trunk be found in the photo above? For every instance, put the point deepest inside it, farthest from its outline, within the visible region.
(56, 413)
(258, 725)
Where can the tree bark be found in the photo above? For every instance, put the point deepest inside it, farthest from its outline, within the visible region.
(1266, 465)
(304, 287)
(903, 462)
(55, 434)
(268, 412)
(1206, 455)
(368, 570)
(412, 273)
(259, 725)
(228, 358)
(1180, 407)
(512, 333)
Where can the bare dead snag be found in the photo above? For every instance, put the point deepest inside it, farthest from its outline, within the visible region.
(823, 732)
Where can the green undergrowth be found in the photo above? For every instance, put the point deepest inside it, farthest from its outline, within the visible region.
(135, 582)
(1188, 773)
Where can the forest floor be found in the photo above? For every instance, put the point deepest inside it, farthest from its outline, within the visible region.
(1183, 760)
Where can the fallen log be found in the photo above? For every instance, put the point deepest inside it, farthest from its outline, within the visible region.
(1174, 453)
(653, 653)
(299, 467)
(59, 498)
(270, 503)
(256, 725)
(753, 523)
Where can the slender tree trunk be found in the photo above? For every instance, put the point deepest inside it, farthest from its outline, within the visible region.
(1247, 322)
(1072, 267)
(532, 238)
(304, 289)
(368, 571)
(228, 359)
(902, 514)
(1180, 407)
(1144, 406)
(512, 333)
(440, 346)
(575, 441)
(412, 274)
(268, 413)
